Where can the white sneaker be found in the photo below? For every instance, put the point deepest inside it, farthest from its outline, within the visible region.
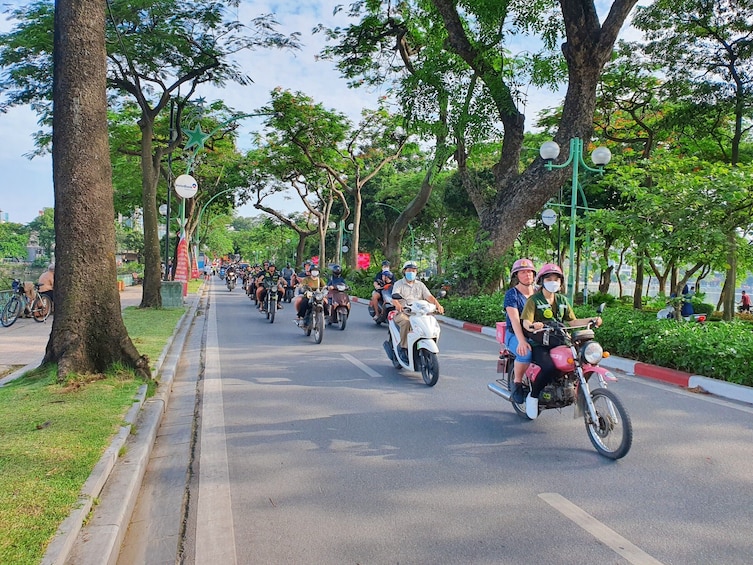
(532, 407)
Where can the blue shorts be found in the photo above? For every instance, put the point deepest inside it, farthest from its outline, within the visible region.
(511, 341)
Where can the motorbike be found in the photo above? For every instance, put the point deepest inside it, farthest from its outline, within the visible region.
(422, 340)
(289, 291)
(577, 358)
(668, 313)
(314, 320)
(269, 307)
(339, 306)
(385, 306)
(230, 279)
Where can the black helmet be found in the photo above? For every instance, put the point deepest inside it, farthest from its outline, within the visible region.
(336, 269)
(385, 263)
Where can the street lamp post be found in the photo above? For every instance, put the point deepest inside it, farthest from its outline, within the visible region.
(340, 235)
(600, 156)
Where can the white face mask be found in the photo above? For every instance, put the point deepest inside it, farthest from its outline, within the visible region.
(552, 286)
(314, 274)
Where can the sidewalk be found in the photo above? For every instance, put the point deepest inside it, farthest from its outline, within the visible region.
(22, 345)
(635, 368)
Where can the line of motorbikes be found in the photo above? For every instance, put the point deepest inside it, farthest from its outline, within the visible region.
(580, 381)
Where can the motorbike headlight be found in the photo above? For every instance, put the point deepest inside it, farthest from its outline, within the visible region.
(592, 352)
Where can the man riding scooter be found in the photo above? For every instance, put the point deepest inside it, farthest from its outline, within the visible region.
(409, 289)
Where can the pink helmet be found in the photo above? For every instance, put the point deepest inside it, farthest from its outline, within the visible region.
(548, 269)
(522, 265)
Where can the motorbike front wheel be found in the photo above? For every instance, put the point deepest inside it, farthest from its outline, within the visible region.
(342, 318)
(429, 366)
(318, 321)
(11, 312)
(612, 432)
(271, 311)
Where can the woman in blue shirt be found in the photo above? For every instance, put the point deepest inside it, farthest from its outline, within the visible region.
(522, 276)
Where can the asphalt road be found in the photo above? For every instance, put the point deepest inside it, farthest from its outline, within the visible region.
(325, 453)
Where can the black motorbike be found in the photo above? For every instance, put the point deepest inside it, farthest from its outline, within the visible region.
(289, 291)
(270, 301)
(314, 320)
(230, 279)
(385, 306)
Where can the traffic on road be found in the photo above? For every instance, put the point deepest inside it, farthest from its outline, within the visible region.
(328, 453)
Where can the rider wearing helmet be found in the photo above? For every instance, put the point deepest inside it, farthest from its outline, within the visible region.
(311, 282)
(383, 280)
(336, 277)
(409, 289)
(522, 276)
(269, 279)
(546, 306)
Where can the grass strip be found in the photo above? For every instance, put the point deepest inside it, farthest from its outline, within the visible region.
(52, 435)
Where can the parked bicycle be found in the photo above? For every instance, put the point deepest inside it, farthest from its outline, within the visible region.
(38, 305)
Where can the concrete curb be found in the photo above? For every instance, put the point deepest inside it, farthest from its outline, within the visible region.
(106, 530)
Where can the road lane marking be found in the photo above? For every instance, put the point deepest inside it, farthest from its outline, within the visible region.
(604, 534)
(364, 368)
(215, 533)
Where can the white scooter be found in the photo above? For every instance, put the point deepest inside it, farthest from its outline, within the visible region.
(422, 340)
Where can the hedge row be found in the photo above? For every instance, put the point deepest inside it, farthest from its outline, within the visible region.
(720, 350)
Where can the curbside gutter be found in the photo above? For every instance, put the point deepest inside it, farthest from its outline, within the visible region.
(106, 530)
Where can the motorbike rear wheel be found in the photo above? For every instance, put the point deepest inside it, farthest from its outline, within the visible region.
(40, 308)
(318, 321)
(612, 433)
(342, 318)
(429, 366)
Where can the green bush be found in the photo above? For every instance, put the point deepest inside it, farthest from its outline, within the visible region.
(717, 350)
(482, 309)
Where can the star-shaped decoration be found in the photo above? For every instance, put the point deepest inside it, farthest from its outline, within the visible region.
(196, 138)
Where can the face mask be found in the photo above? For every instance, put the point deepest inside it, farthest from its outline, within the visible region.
(314, 274)
(410, 276)
(552, 286)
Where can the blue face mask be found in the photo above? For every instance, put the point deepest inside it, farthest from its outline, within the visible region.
(410, 276)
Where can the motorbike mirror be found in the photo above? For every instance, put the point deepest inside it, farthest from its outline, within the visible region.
(601, 308)
(396, 296)
(442, 293)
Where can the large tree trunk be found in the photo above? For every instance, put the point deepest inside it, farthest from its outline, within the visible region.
(731, 278)
(88, 334)
(151, 296)
(587, 49)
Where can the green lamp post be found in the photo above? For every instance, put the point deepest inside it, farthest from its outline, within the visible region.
(600, 157)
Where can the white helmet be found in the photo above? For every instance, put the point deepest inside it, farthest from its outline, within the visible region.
(409, 265)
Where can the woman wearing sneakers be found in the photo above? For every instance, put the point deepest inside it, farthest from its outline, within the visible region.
(522, 275)
(545, 306)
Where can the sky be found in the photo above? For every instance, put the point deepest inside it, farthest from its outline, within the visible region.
(26, 186)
